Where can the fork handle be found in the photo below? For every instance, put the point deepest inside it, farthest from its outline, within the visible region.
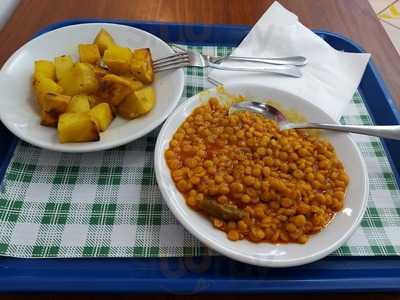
(291, 71)
(290, 60)
(388, 131)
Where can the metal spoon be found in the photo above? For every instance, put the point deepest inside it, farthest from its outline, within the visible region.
(270, 112)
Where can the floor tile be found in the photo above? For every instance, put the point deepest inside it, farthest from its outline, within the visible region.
(379, 5)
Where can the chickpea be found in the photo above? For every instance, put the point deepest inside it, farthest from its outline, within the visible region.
(274, 204)
(298, 174)
(283, 156)
(224, 189)
(256, 234)
(299, 220)
(218, 179)
(303, 152)
(339, 195)
(208, 164)
(303, 239)
(256, 172)
(242, 226)
(310, 177)
(212, 170)
(320, 198)
(218, 223)
(169, 154)
(237, 187)
(183, 185)
(286, 202)
(233, 235)
(249, 180)
(174, 164)
(213, 190)
(269, 161)
(259, 212)
(245, 198)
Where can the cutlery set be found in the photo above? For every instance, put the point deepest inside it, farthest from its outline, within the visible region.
(287, 66)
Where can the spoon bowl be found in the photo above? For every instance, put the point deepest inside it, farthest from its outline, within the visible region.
(270, 112)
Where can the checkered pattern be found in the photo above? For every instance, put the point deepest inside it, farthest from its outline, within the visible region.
(107, 204)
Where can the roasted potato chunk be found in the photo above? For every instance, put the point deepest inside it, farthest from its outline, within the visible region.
(55, 104)
(103, 115)
(44, 85)
(80, 79)
(44, 68)
(77, 127)
(89, 53)
(79, 103)
(135, 84)
(142, 65)
(62, 64)
(103, 40)
(113, 89)
(100, 71)
(138, 103)
(48, 119)
(118, 59)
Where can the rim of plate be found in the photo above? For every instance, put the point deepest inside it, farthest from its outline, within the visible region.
(92, 146)
(229, 252)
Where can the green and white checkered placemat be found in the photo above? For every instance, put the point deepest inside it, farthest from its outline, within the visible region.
(107, 203)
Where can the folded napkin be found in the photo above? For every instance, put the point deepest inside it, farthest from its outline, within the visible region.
(329, 79)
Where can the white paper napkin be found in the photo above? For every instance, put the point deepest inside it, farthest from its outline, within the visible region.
(329, 79)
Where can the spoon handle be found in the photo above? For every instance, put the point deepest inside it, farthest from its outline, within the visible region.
(286, 70)
(290, 60)
(389, 132)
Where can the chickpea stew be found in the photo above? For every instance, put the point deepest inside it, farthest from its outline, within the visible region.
(252, 180)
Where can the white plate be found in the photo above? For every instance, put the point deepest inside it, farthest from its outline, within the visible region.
(265, 254)
(18, 109)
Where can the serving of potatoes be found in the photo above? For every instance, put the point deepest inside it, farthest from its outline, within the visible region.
(82, 98)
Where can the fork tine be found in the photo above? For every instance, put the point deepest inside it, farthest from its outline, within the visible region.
(170, 58)
(171, 67)
(172, 62)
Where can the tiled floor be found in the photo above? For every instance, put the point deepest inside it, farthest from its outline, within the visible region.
(388, 12)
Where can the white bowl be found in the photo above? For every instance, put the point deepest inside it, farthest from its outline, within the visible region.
(18, 107)
(265, 254)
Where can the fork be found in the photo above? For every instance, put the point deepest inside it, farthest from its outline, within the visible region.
(194, 59)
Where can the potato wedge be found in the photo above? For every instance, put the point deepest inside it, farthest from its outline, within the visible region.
(118, 59)
(80, 79)
(89, 53)
(103, 115)
(44, 68)
(43, 86)
(79, 103)
(55, 104)
(77, 127)
(113, 89)
(47, 119)
(103, 40)
(62, 64)
(138, 103)
(142, 65)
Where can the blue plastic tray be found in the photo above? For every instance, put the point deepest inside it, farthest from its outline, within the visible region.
(211, 274)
